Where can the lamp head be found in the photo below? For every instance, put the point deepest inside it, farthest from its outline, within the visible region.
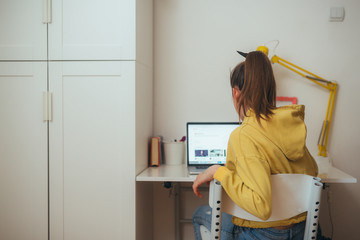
(242, 54)
(263, 49)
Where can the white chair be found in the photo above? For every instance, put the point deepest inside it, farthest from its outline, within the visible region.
(292, 194)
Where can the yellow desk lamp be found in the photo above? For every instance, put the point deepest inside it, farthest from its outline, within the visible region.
(329, 85)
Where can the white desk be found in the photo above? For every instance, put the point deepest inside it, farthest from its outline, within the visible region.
(179, 173)
(166, 173)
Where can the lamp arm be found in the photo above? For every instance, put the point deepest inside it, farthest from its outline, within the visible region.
(329, 85)
(312, 77)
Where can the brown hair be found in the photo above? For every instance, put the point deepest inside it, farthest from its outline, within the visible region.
(255, 79)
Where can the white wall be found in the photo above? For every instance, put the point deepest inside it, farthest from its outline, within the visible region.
(195, 43)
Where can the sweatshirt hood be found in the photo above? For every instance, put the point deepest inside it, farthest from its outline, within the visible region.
(285, 128)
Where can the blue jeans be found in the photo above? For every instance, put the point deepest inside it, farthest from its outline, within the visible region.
(202, 216)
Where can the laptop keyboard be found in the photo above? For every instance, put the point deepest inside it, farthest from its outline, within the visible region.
(201, 167)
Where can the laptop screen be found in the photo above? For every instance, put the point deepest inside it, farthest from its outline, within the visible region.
(207, 142)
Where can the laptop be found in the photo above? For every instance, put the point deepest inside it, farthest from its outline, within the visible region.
(207, 144)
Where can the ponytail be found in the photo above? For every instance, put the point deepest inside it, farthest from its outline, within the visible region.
(255, 79)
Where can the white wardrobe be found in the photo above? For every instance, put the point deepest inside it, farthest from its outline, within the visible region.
(75, 118)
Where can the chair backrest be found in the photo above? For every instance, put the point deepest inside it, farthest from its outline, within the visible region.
(292, 194)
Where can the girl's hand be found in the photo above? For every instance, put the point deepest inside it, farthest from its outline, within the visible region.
(205, 177)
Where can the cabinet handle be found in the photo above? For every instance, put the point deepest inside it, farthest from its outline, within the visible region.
(47, 106)
(49, 11)
(46, 10)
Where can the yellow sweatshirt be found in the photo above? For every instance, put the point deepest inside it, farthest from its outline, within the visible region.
(255, 152)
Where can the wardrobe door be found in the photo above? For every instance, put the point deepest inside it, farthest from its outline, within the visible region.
(23, 152)
(92, 150)
(92, 30)
(22, 33)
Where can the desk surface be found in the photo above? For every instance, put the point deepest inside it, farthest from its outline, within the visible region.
(179, 173)
(166, 173)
